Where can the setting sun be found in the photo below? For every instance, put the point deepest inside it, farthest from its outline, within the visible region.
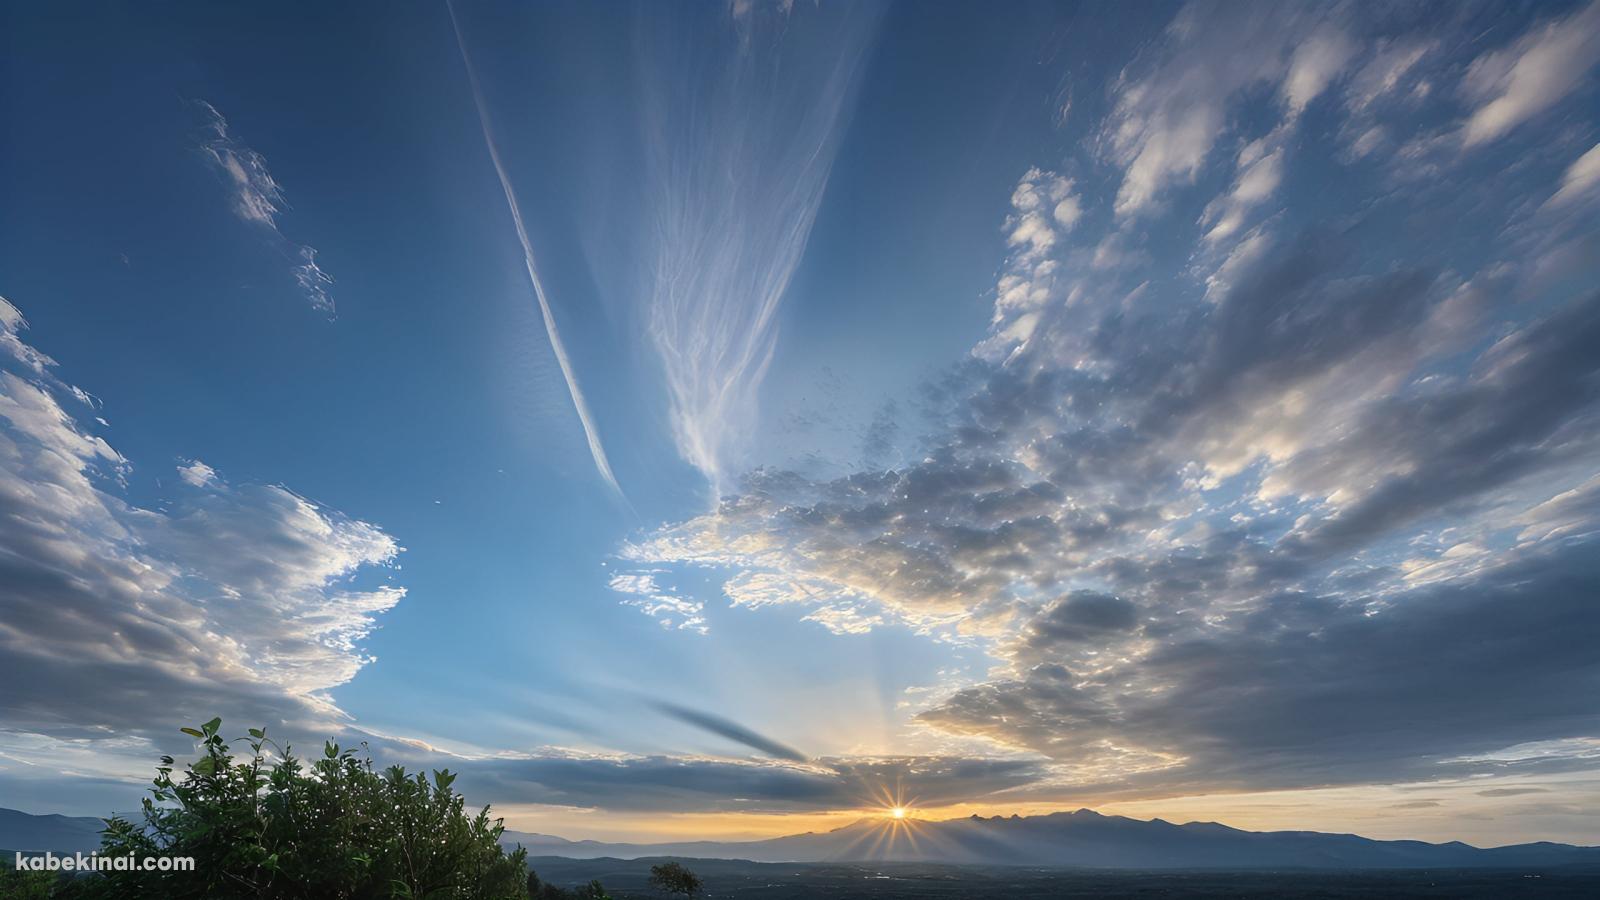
(898, 812)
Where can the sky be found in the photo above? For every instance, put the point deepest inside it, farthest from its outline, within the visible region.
(733, 419)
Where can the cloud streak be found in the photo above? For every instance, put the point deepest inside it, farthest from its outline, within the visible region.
(591, 432)
(740, 153)
(731, 730)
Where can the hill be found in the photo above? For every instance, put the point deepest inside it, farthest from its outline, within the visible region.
(61, 834)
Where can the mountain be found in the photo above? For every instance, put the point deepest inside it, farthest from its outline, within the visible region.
(62, 834)
(1082, 838)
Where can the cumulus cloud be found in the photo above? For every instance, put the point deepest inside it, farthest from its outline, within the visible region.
(257, 198)
(196, 473)
(125, 622)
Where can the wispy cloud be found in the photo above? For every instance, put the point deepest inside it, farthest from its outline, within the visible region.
(257, 198)
(740, 155)
(590, 432)
(1543, 66)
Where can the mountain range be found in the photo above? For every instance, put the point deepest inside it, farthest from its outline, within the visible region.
(1065, 839)
(1081, 838)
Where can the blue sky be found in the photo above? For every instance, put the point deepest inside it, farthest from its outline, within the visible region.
(1185, 410)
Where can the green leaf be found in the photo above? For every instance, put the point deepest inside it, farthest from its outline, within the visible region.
(257, 733)
(210, 728)
(191, 732)
(205, 765)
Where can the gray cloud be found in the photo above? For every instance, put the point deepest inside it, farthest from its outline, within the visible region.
(1308, 690)
(733, 731)
(687, 784)
(1082, 616)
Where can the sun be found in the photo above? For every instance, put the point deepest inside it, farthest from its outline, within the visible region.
(898, 812)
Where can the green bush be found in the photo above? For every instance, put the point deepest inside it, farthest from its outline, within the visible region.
(266, 825)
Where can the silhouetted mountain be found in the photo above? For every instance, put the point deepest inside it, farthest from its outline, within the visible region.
(62, 834)
(1082, 838)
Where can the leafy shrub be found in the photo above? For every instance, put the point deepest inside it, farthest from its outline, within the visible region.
(266, 825)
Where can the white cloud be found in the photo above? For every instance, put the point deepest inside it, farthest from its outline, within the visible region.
(197, 473)
(1384, 72)
(1316, 63)
(1512, 85)
(1260, 172)
(1580, 181)
(661, 603)
(12, 324)
(1165, 122)
(234, 599)
(256, 195)
(739, 157)
(257, 198)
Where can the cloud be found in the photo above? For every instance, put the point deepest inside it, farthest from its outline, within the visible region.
(257, 199)
(1082, 616)
(1319, 690)
(1166, 119)
(686, 784)
(591, 431)
(1236, 528)
(733, 731)
(740, 155)
(196, 473)
(12, 324)
(660, 603)
(1260, 171)
(1315, 64)
(1386, 70)
(124, 622)
(1512, 85)
(1580, 182)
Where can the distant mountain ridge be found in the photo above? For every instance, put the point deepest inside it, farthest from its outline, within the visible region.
(1082, 839)
(1066, 839)
(61, 834)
